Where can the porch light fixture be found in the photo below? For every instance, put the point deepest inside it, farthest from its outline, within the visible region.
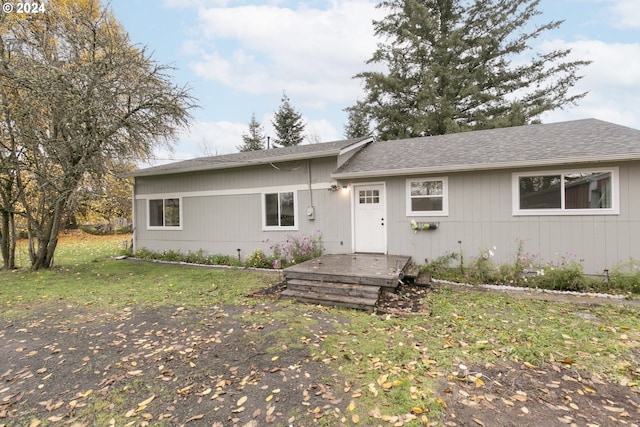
(333, 187)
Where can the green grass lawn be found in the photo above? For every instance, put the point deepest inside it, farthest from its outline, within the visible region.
(85, 273)
(390, 364)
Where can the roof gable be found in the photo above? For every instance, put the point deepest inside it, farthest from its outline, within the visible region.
(532, 145)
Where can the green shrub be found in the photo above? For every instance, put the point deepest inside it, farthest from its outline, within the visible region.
(220, 259)
(171, 255)
(626, 277)
(258, 259)
(568, 277)
(197, 257)
(144, 253)
(443, 268)
(563, 274)
(483, 270)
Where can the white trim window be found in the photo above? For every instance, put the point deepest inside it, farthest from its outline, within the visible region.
(427, 197)
(280, 211)
(570, 192)
(164, 214)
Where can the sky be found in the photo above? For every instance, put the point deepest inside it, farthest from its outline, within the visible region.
(240, 56)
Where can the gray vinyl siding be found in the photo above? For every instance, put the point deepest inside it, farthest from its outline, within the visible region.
(221, 224)
(480, 217)
(239, 178)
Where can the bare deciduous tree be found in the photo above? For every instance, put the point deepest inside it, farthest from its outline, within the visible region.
(76, 95)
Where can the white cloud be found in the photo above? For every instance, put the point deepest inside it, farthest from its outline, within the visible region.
(214, 138)
(612, 80)
(626, 13)
(311, 53)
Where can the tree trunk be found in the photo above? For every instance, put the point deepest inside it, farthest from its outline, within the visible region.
(48, 239)
(7, 241)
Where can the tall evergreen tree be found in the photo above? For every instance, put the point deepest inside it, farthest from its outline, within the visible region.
(456, 65)
(357, 122)
(288, 125)
(254, 140)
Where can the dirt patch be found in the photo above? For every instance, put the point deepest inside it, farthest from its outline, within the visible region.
(248, 366)
(161, 367)
(510, 395)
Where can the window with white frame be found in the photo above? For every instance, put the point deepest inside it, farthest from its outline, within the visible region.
(165, 213)
(572, 192)
(427, 197)
(280, 211)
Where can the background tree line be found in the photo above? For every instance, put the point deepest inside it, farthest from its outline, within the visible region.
(448, 66)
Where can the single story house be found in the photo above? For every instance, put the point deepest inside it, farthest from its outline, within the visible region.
(565, 190)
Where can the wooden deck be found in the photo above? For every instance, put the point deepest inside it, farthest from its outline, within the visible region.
(349, 280)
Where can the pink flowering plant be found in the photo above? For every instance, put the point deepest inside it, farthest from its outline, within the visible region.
(298, 248)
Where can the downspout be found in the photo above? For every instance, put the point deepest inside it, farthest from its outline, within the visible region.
(309, 182)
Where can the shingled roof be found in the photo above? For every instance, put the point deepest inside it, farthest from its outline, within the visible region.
(251, 158)
(578, 141)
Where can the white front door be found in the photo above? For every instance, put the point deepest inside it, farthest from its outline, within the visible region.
(369, 219)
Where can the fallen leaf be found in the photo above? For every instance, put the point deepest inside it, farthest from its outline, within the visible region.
(185, 389)
(147, 401)
(195, 418)
(242, 401)
(507, 402)
(479, 422)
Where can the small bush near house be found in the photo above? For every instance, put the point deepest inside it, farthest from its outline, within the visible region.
(564, 274)
(626, 277)
(220, 259)
(258, 259)
(198, 257)
(294, 250)
(299, 248)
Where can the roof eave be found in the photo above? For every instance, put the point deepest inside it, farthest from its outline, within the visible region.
(233, 165)
(482, 166)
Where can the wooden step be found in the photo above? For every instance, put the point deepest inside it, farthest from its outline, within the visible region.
(411, 271)
(380, 280)
(347, 289)
(360, 303)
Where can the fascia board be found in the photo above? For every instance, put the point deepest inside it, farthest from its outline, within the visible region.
(482, 167)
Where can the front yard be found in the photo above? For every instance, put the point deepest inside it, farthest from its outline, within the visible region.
(102, 342)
